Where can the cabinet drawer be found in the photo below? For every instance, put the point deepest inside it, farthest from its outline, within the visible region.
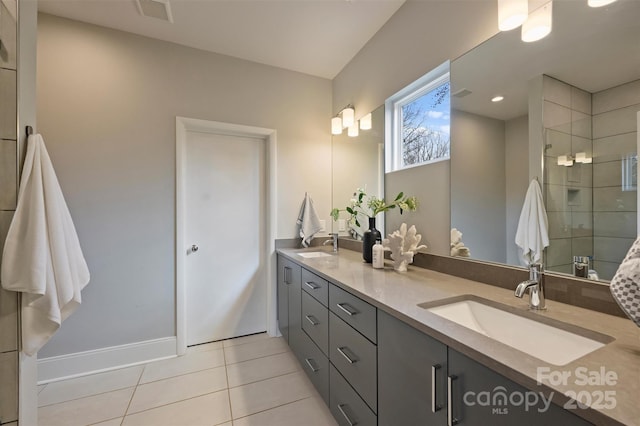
(356, 312)
(346, 406)
(315, 322)
(315, 286)
(316, 365)
(356, 359)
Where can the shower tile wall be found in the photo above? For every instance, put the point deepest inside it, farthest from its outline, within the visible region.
(615, 124)
(8, 195)
(567, 130)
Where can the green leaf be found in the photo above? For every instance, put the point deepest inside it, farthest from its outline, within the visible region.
(357, 223)
(350, 210)
(400, 195)
(400, 211)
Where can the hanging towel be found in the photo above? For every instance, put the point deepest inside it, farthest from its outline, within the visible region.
(42, 256)
(625, 285)
(308, 220)
(532, 235)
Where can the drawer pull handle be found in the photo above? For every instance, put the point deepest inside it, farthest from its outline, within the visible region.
(350, 310)
(312, 285)
(311, 366)
(344, 354)
(434, 405)
(312, 319)
(451, 421)
(345, 415)
(287, 275)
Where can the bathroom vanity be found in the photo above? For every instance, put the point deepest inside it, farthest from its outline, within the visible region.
(379, 358)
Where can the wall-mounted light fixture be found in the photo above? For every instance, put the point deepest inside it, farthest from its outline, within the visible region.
(512, 13)
(365, 122)
(538, 24)
(567, 160)
(581, 157)
(346, 118)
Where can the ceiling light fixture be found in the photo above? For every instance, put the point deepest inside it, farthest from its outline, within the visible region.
(599, 3)
(538, 24)
(511, 13)
(497, 98)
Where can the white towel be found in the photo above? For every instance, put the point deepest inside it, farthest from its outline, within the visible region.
(42, 256)
(625, 285)
(308, 220)
(532, 235)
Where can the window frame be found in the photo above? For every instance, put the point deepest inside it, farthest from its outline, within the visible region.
(393, 116)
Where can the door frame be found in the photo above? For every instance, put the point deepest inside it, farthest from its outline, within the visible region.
(184, 125)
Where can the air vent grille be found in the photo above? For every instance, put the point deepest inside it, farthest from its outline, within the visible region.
(159, 9)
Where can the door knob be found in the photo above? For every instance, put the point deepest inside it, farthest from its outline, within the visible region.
(194, 248)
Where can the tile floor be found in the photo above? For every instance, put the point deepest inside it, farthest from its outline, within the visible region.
(248, 381)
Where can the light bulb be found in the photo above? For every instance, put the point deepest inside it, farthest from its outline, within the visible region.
(512, 13)
(348, 116)
(336, 126)
(538, 25)
(353, 130)
(599, 3)
(365, 122)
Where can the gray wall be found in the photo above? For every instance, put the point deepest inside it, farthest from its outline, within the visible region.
(517, 179)
(478, 184)
(430, 183)
(107, 102)
(420, 36)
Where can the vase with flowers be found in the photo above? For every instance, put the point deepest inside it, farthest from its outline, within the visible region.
(369, 206)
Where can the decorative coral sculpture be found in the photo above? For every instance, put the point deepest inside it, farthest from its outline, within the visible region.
(403, 244)
(457, 246)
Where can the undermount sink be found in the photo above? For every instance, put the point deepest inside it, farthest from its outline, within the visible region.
(546, 339)
(312, 254)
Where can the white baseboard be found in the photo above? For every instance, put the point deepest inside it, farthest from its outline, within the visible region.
(78, 364)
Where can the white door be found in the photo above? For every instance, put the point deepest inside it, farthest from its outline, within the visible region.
(224, 221)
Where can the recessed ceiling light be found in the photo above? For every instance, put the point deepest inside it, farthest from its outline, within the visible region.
(497, 98)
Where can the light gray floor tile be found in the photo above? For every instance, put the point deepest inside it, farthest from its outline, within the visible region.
(86, 411)
(261, 348)
(167, 391)
(94, 384)
(309, 412)
(210, 409)
(189, 363)
(256, 397)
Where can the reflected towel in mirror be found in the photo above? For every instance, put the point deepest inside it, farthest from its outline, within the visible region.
(532, 235)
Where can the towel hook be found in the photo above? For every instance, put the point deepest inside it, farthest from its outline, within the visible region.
(29, 130)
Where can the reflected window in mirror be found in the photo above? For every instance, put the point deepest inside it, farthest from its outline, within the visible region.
(419, 122)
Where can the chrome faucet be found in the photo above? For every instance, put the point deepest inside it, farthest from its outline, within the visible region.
(333, 240)
(535, 285)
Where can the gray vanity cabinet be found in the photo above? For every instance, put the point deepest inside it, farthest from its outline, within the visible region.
(412, 370)
(412, 365)
(471, 381)
(289, 302)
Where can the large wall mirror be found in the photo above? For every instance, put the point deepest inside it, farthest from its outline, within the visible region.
(357, 162)
(569, 118)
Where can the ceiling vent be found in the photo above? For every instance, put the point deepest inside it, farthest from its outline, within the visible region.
(462, 93)
(159, 9)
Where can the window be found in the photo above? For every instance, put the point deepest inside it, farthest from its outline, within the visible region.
(418, 119)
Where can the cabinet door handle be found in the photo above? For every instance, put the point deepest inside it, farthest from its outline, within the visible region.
(350, 310)
(287, 275)
(451, 421)
(344, 354)
(311, 366)
(345, 415)
(312, 285)
(434, 404)
(312, 319)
